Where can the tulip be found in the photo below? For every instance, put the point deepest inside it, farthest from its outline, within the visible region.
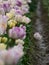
(3, 24)
(4, 39)
(14, 54)
(19, 41)
(37, 36)
(17, 32)
(2, 46)
(12, 23)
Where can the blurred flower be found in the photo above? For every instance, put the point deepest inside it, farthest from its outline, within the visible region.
(25, 8)
(24, 27)
(19, 41)
(12, 2)
(3, 24)
(12, 23)
(37, 36)
(14, 54)
(18, 3)
(13, 11)
(2, 12)
(9, 15)
(6, 6)
(16, 7)
(3, 54)
(18, 18)
(20, 12)
(4, 39)
(17, 32)
(25, 20)
(29, 1)
(1, 62)
(22, 19)
(1, 1)
(2, 46)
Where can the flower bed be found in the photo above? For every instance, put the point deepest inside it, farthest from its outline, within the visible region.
(13, 22)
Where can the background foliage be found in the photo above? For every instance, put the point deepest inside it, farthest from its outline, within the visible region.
(46, 5)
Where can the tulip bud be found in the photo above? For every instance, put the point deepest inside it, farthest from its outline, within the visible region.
(4, 39)
(2, 46)
(19, 41)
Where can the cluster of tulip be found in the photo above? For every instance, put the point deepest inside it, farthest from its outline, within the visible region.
(12, 28)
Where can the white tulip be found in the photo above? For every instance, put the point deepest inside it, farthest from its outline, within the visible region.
(14, 54)
(19, 41)
(37, 36)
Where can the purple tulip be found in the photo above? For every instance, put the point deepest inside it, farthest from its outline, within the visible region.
(16, 7)
(6, 7)
(18, 3)
(17, 32)
(19, 12)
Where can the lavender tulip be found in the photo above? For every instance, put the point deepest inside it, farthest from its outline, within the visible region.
(17, 33)
(6, 6)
